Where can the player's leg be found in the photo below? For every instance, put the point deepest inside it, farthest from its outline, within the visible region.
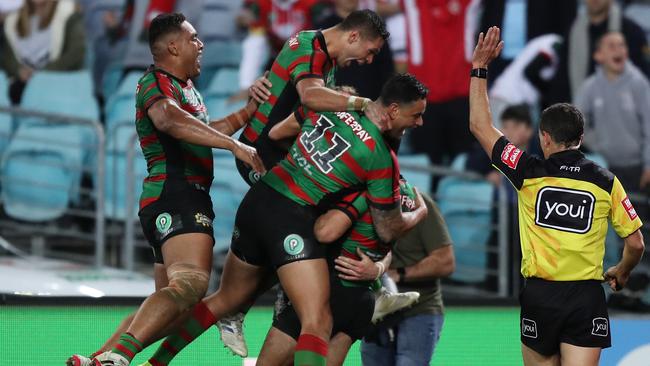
(306, 284)
(534, 358)
(571, 355)
(160, 281)
(231, 327)
(339, 347)
(277, 349)
(239, 282)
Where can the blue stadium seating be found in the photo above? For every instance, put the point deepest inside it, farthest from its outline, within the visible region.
(419, 179)
(37, 144)
(120, 126)
(466, 206)
(224, 84)
(6, 122)
(218, 55)
(228, 189)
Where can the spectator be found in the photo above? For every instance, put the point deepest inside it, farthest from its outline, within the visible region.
(616, 104)
(523, 20)
(576, 63)
(270, 23)
(439, 38)
(517, 126)
(527, 77)
(41, 35)
(420, 259)
(367, 79)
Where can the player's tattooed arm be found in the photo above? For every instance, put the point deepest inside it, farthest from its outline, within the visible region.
(392, 224)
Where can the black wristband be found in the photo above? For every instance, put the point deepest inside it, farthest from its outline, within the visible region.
(480, 73)
(401, 271)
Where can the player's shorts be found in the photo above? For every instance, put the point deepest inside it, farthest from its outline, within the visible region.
(554, 312)
(351, 307)
(183, 212)
(272, 230)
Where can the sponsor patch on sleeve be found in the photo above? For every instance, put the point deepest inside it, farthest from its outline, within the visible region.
(510, 156)
(294, 43)
(627, 205)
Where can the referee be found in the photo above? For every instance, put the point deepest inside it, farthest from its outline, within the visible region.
(565, 201)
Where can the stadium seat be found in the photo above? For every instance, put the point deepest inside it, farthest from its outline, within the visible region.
(6, 122)
(120, 126)
(227, 191)
(223, 85)
(38, 143)
(43, 196)
(216, 56)
(419, 179)
(466, 206)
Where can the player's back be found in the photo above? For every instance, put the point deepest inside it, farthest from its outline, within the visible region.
(334, 152)
(303, 56)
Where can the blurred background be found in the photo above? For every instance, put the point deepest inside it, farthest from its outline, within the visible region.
(73, 260)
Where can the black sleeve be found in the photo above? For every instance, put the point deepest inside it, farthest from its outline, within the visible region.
(511, 161)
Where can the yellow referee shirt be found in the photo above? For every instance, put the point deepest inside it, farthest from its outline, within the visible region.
(564, 204)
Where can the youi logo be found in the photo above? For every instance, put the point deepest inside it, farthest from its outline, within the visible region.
(565, 209)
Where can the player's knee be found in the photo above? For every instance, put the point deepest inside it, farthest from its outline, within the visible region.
(317, 322)
(187, 285)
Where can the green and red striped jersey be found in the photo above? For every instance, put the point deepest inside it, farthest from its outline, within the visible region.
(335, 151)
(363, 234)
(171, 163)
(302, 56)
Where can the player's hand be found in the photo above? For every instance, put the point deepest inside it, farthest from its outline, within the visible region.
(487, 48)
(420, 205)
(376, 114)
(249, 156)
(356, 270)
(260, 91)
(616, 278)
(645, 179)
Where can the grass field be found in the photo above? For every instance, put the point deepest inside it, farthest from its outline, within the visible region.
(47, 335)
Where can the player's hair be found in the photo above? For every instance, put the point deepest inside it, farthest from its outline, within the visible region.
(402, 89)
(369, 24)
(564, 122)
(518, 113)
(164, 24)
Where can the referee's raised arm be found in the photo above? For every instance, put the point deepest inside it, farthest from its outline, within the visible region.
(487, 49)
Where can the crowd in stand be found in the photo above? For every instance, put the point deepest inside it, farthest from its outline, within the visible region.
(551, 55)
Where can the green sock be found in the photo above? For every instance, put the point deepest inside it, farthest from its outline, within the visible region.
(128, 346)
(196, 325)
(310, 351)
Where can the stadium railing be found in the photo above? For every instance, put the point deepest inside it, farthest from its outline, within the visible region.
(44, 202)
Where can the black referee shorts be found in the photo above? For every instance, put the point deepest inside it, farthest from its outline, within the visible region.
(272, 230)
(351, 307)
(572, 312)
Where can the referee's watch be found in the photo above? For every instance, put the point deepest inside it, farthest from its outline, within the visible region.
(480, 73)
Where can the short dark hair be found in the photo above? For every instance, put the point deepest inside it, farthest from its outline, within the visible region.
(164, 24)
(519, 113)
(402, 89)
(369, 24)
(564, 122)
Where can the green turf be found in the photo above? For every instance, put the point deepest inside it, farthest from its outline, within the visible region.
(43, 335)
